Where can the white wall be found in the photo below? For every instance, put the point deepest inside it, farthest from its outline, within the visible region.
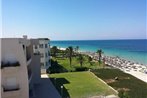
(45, 59)
(11, 50)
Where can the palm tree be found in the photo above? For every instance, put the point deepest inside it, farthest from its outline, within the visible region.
(80, 59)
(69, 51)
(99, 51)
(104, 62)
(54, 50)
(77, 48)
(89, 60)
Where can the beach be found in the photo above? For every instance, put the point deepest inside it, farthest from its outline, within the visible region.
(132, 50)
(135, 69)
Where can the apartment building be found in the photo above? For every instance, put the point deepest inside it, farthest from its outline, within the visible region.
(20, 67)
(44, 49)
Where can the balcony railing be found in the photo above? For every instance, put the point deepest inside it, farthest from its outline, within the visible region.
(14, 89)
(8, 89)
(8, 64)
(9, 93)
(37, 53)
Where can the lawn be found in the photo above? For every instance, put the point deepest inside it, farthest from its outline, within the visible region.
(75, 83)
(63, 64)
(80, 85)
(133, 86)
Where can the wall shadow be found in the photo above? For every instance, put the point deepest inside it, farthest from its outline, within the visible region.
(56, 68)
(45, 89)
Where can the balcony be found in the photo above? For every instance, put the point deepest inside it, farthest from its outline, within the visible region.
(10, 89)
(37, 53)
(10, 68)
(8, 64)
(10, 92)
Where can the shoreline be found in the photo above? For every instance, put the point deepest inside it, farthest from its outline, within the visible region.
(135, 69)
(130, 57)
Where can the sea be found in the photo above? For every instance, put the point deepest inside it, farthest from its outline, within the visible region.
(132, 50)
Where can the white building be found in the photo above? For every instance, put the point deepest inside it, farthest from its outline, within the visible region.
(20, 68)
(44, 49)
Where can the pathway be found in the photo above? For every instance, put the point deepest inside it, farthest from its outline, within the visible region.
(46, 89)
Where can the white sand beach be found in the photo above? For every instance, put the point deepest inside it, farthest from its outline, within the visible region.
(135, 69)
(61, 48)
(138, 75)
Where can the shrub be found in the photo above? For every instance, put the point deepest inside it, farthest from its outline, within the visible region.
(123, 94)
(81, 69)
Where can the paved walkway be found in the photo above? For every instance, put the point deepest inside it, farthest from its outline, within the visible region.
(46, 89)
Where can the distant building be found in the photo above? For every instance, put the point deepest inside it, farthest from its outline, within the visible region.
(44, 49)
(20, 67)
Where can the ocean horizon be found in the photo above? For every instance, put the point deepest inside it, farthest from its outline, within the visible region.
(130, 49)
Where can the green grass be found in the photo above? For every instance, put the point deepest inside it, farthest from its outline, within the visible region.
(80, 85)
(134, 87)
(75, 84)
(64, 62)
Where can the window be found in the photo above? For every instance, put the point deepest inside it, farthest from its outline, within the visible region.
(23, 47)
(42, 55)
(35, 46)
(42, 64)
(46, 63)
(49, 61)
(40, 45)
(45, 45)
(46, 54)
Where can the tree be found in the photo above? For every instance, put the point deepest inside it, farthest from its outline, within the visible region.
(99, 51)
(77, 48)
(89, 60)
(80, 59)
(69, 51)
(104, 62)
(54, 50)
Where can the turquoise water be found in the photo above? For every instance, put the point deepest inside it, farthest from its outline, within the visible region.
(133, 50)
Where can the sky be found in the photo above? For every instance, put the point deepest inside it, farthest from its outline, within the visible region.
(74, 19)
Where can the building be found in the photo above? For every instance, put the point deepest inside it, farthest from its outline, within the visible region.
(44, 49)
(20, 67)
